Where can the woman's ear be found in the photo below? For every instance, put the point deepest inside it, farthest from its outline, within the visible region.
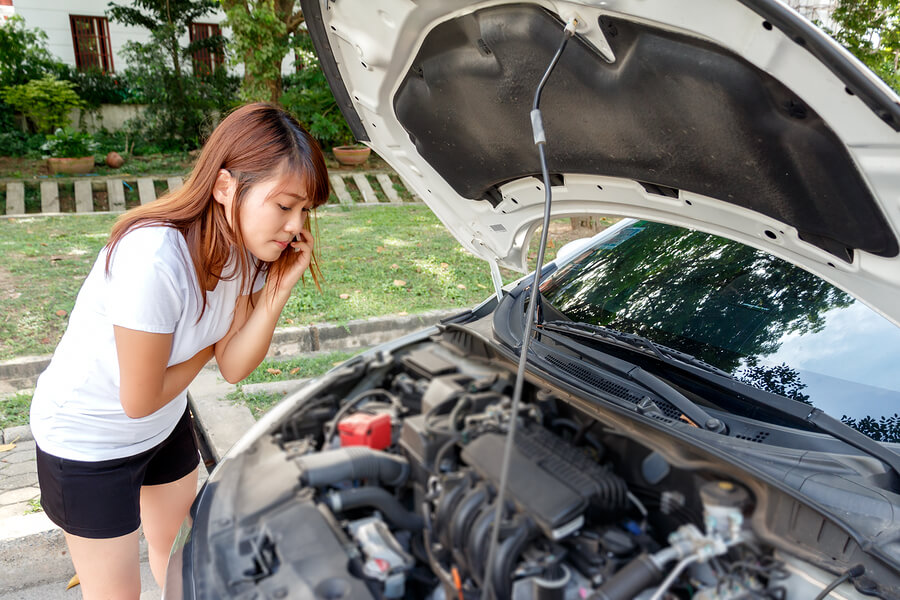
(223, 190)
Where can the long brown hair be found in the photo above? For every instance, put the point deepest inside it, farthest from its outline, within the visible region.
(255, 143)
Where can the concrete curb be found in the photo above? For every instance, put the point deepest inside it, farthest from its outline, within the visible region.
(33, 551)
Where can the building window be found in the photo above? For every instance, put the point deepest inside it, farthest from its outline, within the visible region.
(91, 38)
(205, 59)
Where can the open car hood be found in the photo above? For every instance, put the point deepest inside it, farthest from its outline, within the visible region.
(734, 117)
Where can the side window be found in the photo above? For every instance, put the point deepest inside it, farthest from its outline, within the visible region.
(205, 59)
(90, 35)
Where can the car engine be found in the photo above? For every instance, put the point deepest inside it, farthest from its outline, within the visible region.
(387, 488)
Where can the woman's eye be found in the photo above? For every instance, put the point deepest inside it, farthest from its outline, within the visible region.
(284, 208)
(307, 209)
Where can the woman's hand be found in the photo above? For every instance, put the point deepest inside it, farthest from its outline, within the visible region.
(289, 268)
(245, 344)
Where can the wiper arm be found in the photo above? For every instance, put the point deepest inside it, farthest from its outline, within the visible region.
(634, 341)
(689, 409)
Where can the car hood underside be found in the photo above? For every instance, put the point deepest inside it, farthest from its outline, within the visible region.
(706, 116)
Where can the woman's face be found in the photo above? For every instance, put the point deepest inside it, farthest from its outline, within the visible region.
(272, 214)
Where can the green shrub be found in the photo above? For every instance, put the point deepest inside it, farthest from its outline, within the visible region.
(96, 87)
(68, 143)
(23, 53)
(308, 96)
(181, 108)
(45, 102)
(17, 143)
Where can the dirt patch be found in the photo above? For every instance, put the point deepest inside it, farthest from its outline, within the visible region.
(18, 167)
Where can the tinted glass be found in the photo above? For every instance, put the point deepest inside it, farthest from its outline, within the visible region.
(765, 321)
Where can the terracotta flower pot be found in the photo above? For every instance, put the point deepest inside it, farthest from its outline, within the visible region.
(351, 155)
(84, 164)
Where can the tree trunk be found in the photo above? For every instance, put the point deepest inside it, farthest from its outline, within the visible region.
(275, 87)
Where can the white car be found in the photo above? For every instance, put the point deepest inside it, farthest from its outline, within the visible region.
(700, 401)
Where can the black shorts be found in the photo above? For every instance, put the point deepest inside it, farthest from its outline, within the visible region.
(103, 499)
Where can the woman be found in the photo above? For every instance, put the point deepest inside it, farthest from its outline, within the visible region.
(202, 272)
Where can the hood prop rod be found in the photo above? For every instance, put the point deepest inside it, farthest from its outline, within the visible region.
(540, 140)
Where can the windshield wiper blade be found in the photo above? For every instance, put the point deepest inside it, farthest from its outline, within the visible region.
(634, 341)
(689, 409)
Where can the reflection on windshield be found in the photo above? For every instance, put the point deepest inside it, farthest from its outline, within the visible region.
(767, 322)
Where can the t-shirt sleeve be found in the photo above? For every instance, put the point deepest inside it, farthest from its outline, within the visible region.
(143, 290)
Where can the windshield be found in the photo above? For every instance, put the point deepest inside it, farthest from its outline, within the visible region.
(766, 322)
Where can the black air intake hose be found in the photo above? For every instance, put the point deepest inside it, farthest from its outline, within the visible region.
(378, 498)
(333, 466)
(641, 573)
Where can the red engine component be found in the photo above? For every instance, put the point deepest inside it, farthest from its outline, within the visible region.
(364, 429)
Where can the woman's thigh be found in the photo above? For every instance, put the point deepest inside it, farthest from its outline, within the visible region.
(165, 506)
(107, 568)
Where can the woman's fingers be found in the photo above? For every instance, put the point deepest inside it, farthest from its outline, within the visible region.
(305, 237)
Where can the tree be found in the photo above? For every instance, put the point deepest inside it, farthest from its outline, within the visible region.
(308, 97)
(167, 20)
(870, 29)
(179, 102)
(23, 53)
(263, 33)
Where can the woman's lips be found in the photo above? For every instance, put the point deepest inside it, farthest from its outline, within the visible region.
(282, 244)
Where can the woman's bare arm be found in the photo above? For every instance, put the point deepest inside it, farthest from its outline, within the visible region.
(247, 341)
(146, 384)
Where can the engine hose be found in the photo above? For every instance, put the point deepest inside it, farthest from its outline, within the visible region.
(379, 498)
(443, 450)
(507, 553)
(356, 462)
(612, 493)
(636, 576)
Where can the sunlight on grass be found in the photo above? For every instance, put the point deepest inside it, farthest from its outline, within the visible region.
(395, 243)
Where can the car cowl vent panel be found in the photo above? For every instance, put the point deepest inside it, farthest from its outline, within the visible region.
(604, 384)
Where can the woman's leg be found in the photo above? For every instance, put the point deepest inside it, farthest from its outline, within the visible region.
(163, 509)
(107, 568)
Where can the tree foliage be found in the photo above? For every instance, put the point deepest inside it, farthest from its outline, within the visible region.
(45, 102)
(23, 53)
(884, 429)
(779, 379)
(180, 104)
(308, 96)
(870, 29)
(723, 302)
(263, 33)
(167, 21)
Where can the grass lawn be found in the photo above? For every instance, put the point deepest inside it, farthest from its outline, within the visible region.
(375, 261)
(14, 410)
(279, 370)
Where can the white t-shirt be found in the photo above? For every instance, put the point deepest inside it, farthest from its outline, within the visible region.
(76, 413)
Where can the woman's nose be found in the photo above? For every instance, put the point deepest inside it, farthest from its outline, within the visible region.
(296, 221)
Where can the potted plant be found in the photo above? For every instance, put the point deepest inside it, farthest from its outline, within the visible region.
(351, 154)
(69, 151)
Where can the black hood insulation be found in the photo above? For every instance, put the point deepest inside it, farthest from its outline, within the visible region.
(672, 112)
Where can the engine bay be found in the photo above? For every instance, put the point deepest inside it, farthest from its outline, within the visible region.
(384, 485)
